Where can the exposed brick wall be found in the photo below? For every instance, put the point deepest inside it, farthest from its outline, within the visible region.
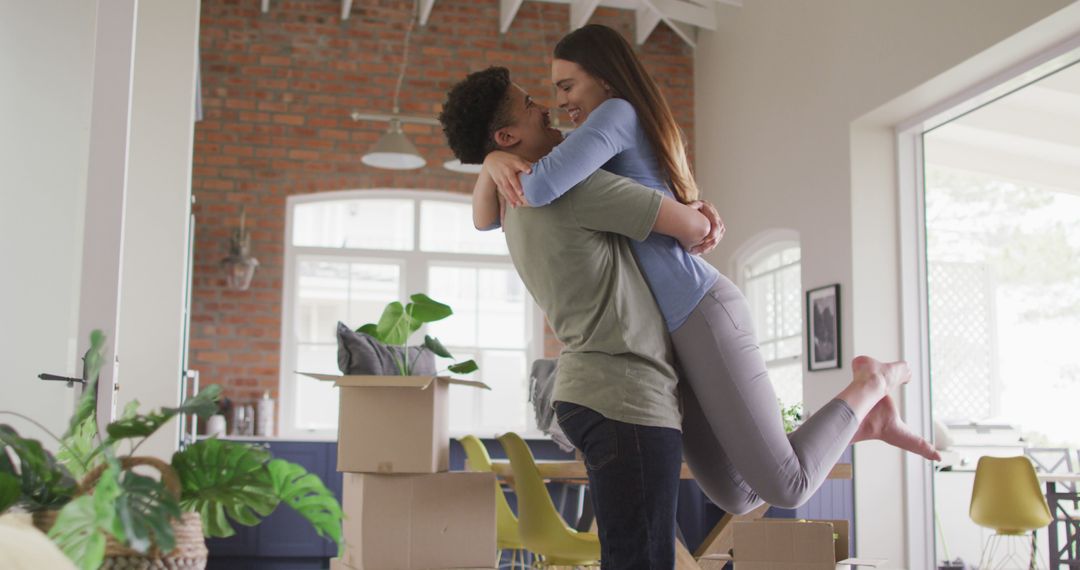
(277, 92)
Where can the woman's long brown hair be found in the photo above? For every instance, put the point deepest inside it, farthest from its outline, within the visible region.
(606, 55)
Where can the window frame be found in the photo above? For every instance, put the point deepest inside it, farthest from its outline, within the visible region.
(414, 267)
(756, 250)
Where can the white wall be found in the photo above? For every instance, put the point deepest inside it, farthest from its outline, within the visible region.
(779, 88)
(157, 210)
(46, 60)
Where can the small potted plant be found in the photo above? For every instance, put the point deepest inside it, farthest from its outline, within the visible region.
(391, 352)
(103, 514)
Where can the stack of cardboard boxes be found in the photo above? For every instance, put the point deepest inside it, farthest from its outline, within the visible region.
(403, 509)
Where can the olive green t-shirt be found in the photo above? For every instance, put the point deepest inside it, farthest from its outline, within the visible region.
(576, 262)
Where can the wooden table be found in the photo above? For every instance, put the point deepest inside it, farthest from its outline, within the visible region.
(1067, 554)
(719, 539)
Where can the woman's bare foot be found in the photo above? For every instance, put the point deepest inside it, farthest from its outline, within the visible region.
(884, 423)
(887, 375)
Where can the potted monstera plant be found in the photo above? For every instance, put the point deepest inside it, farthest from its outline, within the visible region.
(104, 514)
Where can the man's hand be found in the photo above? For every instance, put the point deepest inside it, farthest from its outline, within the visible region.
(716, 227)
(505, 169)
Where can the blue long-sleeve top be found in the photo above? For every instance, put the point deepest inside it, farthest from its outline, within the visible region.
(612, 138)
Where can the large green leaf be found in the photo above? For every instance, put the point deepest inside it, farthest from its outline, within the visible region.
(370, 329)
(10, 490)
(203, 404)
(466, 367)
(427, 310)
(307, 495)
(81, 525)
(436, 347)
(145, 509)
(92, 362)
(78, 450)
(395, 325)
(225, 480)
(43, 482)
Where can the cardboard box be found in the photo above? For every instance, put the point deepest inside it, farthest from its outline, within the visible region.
(407, 522)
(394, 424)
(784, 544)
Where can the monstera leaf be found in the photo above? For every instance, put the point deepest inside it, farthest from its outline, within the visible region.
(81, 525)
(145, 509)
(202, 404)
(225, 480)
(10, 490)
(309, 497)
(43, 482)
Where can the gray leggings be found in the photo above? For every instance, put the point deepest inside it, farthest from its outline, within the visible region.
(733, 437)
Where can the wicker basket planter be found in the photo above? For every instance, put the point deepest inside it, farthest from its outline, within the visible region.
(190, 552)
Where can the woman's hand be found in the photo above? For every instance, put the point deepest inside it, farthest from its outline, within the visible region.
(716, 228)
(505, 169)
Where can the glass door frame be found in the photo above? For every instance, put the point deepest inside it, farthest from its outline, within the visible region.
(919, 480)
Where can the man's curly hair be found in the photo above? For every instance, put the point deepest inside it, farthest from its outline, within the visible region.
(475, 108)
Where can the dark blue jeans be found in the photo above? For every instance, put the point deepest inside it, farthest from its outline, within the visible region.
(634, 483)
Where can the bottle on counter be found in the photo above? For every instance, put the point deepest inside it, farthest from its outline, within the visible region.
(264, 416)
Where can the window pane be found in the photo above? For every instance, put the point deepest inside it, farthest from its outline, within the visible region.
(790, 255)
(789, 347)
(464, 401)
(506, 406)
(790, 301)
(502, 315)
(371, 287)
(448, 227)
(787, 381)
(355, 224)
(757, 295)
(332, 291)
(455, 286)
(316, 401)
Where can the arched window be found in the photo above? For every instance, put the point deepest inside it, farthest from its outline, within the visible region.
(350, 253)
(771, 278)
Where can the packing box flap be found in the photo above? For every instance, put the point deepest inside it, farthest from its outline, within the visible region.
(422, 382)
(780, 542)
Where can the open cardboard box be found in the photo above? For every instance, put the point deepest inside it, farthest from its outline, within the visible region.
(785, 544)
(394, 424)
(407, 522)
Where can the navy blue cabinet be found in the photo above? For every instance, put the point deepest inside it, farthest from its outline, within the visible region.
(285, 540)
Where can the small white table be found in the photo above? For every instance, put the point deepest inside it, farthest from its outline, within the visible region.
(1068, 554)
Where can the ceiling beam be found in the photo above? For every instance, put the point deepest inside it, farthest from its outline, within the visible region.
(645, 21)
(508, 10)
(346, 9)
(425, 10)
(687, 33)
(581, 11)
(687, 13)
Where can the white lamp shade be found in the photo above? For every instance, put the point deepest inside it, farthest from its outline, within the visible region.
(394, 151)
(457, 166)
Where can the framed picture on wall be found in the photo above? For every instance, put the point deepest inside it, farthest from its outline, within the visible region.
(823, 327)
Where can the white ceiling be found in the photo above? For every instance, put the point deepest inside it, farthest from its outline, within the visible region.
(1031, 135)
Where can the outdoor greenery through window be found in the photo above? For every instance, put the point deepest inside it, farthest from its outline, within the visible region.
(772, 282)
(350, 253)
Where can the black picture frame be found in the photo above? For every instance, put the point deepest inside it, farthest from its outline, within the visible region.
(823, 339)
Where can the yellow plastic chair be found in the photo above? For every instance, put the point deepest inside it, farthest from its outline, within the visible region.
(506, 524)
(1007, 498)
(542, 528)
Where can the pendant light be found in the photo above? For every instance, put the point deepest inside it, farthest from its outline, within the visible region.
(395, 151)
